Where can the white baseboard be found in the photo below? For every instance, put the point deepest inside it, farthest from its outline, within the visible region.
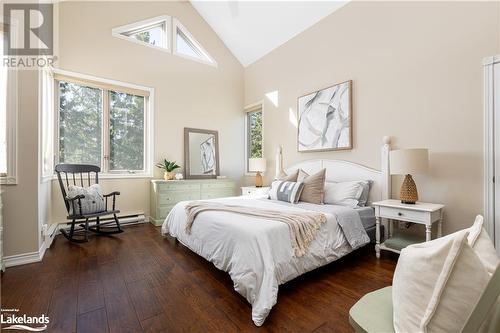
(49, 233)
(25, 258)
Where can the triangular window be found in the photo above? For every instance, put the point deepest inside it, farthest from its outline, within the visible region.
(186, 45)
(165, 33)
(152, 32)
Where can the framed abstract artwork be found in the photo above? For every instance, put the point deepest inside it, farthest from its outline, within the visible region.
(325, 119)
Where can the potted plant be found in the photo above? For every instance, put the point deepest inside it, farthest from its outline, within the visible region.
(169, 168)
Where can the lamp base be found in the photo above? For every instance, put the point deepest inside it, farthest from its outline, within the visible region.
(408, 193)
(258, 179)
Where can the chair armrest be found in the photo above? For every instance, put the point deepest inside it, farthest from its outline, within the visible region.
(111, 194)
(78, 201)
(80, 196)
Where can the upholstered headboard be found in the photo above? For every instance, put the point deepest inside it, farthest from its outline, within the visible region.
(339, 170)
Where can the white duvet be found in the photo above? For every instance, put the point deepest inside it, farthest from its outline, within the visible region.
(256, 252)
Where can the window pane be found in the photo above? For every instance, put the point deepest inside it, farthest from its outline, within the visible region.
(80, 119)
(254, 134)
(126, 122)
(3, 114)
(151, 35)
(185, 47)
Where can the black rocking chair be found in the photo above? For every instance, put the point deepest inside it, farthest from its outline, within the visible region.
(79, 174)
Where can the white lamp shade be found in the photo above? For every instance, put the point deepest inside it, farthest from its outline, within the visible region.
(257, 164)
(409, 161)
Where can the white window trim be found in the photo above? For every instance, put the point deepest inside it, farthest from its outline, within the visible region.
(247, 109)
(149, 126)
(124, 29)
(12, 112)
(176, 24)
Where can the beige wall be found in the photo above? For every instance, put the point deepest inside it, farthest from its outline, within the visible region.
(20, 202)
(188, 93)
(417, 76)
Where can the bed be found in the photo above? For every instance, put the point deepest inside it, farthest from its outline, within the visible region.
(257, 253)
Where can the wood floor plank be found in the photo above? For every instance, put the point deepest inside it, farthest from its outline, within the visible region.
(139, 281)
(93, 322)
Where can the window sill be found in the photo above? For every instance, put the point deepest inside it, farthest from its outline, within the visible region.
(119, 176)
(8, 180)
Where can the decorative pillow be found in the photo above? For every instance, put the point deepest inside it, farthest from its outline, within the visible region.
(436, 285)
(286, 191)
(291, 177)
(93, 201)
(314, 186)
(345, 193)
(483, 246)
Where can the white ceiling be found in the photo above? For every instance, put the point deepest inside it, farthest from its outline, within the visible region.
(251, 29)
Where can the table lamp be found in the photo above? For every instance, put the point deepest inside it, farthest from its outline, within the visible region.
(257, 165)
(407, 162)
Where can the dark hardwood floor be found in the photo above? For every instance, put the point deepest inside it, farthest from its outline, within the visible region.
(139, 281)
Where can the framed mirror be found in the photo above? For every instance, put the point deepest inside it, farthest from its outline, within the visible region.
(201, 153)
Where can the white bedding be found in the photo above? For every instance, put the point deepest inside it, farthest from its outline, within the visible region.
(255, 252)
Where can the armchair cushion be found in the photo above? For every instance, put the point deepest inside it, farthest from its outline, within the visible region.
(92, 202)
(431, 282)
(483, 246)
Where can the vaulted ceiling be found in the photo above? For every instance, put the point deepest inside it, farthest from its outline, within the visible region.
(251, 29)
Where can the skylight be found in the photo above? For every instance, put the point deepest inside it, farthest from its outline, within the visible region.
(167, 34)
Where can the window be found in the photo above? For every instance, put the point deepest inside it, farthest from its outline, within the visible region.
(8, 119)
(154, 35)
(104, 125)
(165, 33)
(187, 46)
(254, 137)
(151, 32)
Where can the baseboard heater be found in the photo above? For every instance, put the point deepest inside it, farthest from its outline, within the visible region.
(124, 220)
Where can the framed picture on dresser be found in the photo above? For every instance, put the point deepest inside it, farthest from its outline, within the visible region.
(325, 119)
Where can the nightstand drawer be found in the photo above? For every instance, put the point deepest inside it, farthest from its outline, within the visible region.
(406, 215)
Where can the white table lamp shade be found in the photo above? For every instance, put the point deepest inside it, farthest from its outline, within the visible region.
(257, 164)
(409, 161)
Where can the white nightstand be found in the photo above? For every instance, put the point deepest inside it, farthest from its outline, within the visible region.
(252, 190)
(421, 213)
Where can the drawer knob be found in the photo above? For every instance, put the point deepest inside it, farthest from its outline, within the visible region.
(400, 214)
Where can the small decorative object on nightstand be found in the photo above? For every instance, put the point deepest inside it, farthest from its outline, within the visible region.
(420, 212)
(407, 162)
(252, 190)
(257, 165)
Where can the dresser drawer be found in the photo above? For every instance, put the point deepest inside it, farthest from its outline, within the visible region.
(217, 185)
(163, 211)
(171, 198)
(406, 215)
(222, 193)
(177, 186)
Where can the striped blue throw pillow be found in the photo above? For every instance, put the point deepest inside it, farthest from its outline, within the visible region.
(286, 191)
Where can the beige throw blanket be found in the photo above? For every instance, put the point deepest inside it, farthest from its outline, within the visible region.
(303, 226)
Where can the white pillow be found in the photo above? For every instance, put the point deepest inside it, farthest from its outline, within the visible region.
(436, 285)
(483, 246)
(93, 201)
(343, 193)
